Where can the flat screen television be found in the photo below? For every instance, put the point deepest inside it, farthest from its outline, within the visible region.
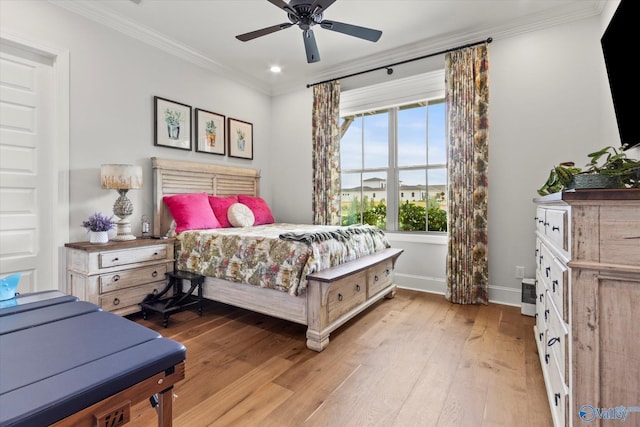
(619, 47)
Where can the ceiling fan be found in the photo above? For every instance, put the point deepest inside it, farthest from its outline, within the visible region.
(305, 14)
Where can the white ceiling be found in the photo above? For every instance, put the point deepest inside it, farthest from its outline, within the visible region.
(203, 31)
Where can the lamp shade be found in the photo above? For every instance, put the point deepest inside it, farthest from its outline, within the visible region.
(121, 177)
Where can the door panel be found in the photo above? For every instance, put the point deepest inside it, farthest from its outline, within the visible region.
(26, 147)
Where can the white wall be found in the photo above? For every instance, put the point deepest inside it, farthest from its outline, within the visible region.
(545, 108)
(113, 81)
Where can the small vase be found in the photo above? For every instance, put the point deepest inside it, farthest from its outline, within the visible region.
(98, 237)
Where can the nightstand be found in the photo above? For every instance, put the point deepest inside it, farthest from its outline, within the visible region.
(117, 276)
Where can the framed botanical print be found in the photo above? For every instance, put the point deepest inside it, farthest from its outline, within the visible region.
(210, 132)
(240, 139)
(172, 121)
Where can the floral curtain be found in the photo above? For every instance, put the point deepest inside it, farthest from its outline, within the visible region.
(467, 103)
(326, 153)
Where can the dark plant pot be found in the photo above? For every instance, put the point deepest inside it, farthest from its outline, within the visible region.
(594, 180)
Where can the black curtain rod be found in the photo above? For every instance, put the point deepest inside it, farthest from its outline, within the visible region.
(488, 40)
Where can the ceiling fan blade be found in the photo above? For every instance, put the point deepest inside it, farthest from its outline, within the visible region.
(284, 6)
(321, 5)
(352, 30)
(310, 46)
(263, 32)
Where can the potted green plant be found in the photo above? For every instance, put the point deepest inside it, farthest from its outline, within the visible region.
(211, 133)
(607, 168)
(173, 119)
(98, 227)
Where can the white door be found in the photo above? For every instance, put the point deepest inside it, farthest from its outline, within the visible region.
(28, 193)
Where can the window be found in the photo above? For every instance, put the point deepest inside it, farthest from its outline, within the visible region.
(394, 167)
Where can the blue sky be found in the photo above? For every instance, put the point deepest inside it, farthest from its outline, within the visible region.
(412, 125)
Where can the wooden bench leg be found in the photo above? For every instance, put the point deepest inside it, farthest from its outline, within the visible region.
(165, 408)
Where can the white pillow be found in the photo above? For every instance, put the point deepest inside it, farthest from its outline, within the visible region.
(240, 215)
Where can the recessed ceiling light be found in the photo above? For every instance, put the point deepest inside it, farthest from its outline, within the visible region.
(275, 69)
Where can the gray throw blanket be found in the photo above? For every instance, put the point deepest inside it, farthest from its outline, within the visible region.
(342, 233)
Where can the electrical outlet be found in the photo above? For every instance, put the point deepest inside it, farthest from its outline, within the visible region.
(519, 272)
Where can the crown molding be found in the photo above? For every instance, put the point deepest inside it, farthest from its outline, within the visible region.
(93, 11)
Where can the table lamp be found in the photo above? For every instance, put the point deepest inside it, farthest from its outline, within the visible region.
(122, 178)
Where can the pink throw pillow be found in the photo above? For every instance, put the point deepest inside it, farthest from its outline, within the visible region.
(191, 211)
(259, 207)
(220, 206)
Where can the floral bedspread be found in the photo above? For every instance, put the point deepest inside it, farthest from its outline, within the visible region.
(258, 256)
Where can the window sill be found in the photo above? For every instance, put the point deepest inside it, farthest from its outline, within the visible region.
(431, 239)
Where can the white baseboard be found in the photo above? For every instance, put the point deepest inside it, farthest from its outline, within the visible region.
(436, 285)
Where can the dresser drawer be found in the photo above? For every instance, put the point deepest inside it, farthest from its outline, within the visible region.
(558, 396)
(556, 225)
(541, 294)
(379, 277)
(345, 295)
(127, 278)
(546, 262)
(132, 256)
(129, 297)
(556, 341)
(559, 277)
(540, 219)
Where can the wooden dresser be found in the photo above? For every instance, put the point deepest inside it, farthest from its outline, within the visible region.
(118, 275)
(588, 305)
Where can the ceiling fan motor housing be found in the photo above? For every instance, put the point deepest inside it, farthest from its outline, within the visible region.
(305, 18)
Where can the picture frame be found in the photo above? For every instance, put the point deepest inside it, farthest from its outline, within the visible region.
(172, 124)
(210, 132)
(240, 138)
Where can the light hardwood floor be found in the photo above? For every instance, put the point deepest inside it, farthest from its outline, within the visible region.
(415, 360)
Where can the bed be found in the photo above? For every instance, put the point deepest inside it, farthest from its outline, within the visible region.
(330, 297)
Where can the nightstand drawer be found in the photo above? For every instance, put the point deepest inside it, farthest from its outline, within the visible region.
(129, 298)
(132, 256)
(127, 278)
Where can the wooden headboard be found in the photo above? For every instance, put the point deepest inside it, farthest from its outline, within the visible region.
(179, 177)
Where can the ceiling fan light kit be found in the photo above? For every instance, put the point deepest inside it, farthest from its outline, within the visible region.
(305, 14)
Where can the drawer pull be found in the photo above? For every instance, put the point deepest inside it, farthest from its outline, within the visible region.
(540, 221)
(546, 358)
(545, 224)
(546, 315)
(387, 271)
(154, 274)
(375, 279)
(554, 283)
(155, 254)
(115, 278)
(357, 288)
(116, 259)
(556, 398)
(116, 301)
(340, 297)
(547, 270)
(553, 340)
(541, 296)
(555, 228)
(541, 335)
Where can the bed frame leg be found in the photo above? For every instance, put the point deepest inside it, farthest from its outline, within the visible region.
(317, 341)
(391, 294)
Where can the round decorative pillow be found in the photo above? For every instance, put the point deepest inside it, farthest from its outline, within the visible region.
(240, 215)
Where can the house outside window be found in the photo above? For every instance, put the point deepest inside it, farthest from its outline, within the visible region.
(394, 163)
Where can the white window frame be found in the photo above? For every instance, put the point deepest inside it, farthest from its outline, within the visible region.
(396, 93)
